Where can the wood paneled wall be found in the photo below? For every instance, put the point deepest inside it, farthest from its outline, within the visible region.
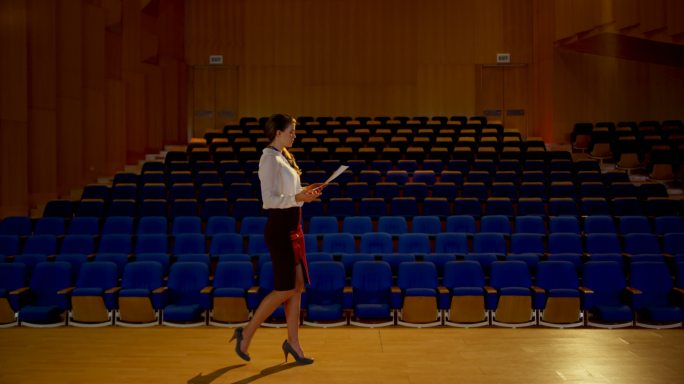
(88, 86)
(357, 57)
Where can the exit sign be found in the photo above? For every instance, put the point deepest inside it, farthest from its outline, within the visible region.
(216, 59)
(503, 58)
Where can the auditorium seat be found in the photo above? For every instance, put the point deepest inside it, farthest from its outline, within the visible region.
(45, 301)
(559, 300)
(12, 278)
(512, 302)
(94, 298)
(465, 300)
(605, 295)
(656, 305)
(371, 294)
(234, 294)
(324, 298)
(188, 295)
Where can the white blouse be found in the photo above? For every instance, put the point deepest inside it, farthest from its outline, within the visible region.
(279, 181)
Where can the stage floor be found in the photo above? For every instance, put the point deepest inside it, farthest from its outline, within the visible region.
(343, 355)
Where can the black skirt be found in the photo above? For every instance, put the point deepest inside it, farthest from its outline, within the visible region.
(281, 225)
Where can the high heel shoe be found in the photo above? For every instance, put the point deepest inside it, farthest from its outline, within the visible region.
(301, 360)
(237, 335)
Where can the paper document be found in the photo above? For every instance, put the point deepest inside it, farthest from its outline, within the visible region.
(338, 172)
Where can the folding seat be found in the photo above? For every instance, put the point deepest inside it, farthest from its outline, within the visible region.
(211, 191)
(157, 243)
(30, 260)
(84, 244)
(9, 246)
(430, 225)
(153, 191)
(480, 177)
(496, 224)
(118, 225)
(404, 206)
(246, 207)
(533, 176)
(407, 165)
(558, 298)
(635, 224)
(371, 294)
(121, 207)
(226, 243)
(531, 206)
(445, 190)
(418, 297)
(214, 207)
(84, 226)
(94, 298)
(641, 243)
(125, 178)
(115, 244)
(153, 177)
(562, 189)
(419, 191)
(153, 207)
(251, 225)
(357, 225)
(125, 192)
(356, 191)
(593, 189)
(119, 259)
(561, 176)
(451, 242)
(595, 206)
(188, 243)
(653, 189)
(661, 206)
(469, 206)
(461, 224)
(238, 191)
(373, 207)
(241, 257)
(50, 226)
(532, 189)
(324, 295)
(95, 191)
(416, 243)
(623, 189)
(232, 177)
(452, 176)
(436, 206)
(370, 177)
(46, 300)
(486, 242)
(312, 209)
(505, 189)
(499, 206)
(656, 304)
(394, 225)
(220, 224)
(562, 206)
(208, 177)
(59, 208)
(376, 243)
(76, 260)
(603, 243)
(435, 165)
(605, 295)
(464, 281)
(319, 225)
(599, 224)
(186, 224)
(16, 225)
(338, 243)
(474, 190)
(666, 224)
(386, 191)
(565, 243)
(512, 303)
(527, 243)
(530, 224)
(564, 224)
(378, 165)
(150, 225)
(424, 176)
(184, 207)
(341, 207)
(12, 278)
(41, 245)
(312, 177)
(188, 295)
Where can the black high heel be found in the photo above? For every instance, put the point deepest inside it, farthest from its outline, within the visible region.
(301, 360)
(237, 335)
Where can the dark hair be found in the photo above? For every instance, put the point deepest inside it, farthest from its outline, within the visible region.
(277, 122)
(280, 122)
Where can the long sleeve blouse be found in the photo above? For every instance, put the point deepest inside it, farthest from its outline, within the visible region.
(279, 181)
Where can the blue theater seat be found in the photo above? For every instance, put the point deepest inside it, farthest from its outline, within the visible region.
(657, 305)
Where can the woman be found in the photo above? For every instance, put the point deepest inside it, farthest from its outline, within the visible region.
(282, 196)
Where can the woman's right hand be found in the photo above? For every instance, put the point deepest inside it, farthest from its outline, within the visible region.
(307, 196)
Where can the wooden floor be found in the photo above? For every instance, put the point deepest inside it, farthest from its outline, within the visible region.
(343, 355)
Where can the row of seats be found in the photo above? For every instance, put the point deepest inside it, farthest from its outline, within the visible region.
(374, 207)
(23, 226)
(366, 120)
(56, 296)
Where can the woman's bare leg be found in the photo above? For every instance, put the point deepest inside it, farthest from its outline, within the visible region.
(292, 309)
(265, 309)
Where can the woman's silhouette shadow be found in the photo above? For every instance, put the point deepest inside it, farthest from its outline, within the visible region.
(207, 379)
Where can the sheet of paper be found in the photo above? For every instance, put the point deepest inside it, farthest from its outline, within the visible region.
(338, 172)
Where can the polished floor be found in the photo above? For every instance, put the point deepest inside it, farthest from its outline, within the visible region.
(343, 355)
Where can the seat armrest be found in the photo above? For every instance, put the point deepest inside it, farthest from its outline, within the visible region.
(19, 291)
(538, 290)
(113, 290)
(633, 290)
(65, 291)
(207, 290)
(442, 290)
(253, 291)
(348, 290)
(585, 290)
(161, 290)
(490, 290)
(678, 290)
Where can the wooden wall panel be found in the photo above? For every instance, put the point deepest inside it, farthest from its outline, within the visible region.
(154, 109)
(652, 15)
(675, 18)
(94, 136)
(626, 13)
(42, 132)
